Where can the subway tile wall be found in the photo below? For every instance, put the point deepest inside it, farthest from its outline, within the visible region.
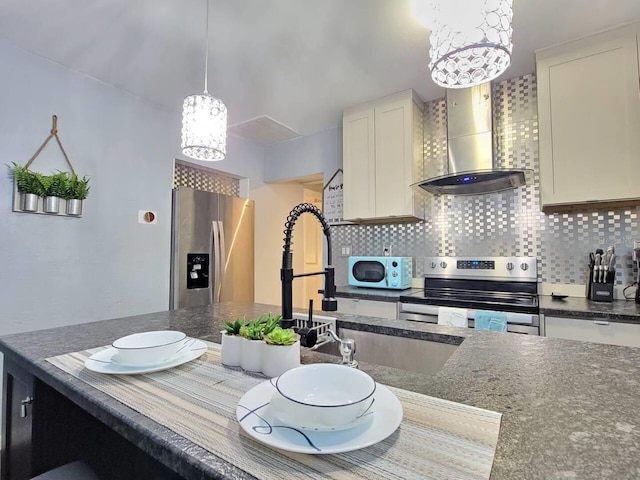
(499, 224)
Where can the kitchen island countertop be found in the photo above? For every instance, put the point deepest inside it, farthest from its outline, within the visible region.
(569, 408)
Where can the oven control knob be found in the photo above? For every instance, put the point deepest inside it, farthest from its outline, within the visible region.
(509, 266)
(394, 283)
(433, 265)
(524, 266)
(394, 274)
(443, 264)
(394, 264)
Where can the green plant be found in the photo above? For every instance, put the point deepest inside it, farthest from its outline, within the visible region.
(282, 336)
(233, 328)
(270, 322)
(26, 180)
(76, 188)
(252, 330)
(54, 185)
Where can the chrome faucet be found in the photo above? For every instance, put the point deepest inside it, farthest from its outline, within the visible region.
(329, 302)
(347, 349)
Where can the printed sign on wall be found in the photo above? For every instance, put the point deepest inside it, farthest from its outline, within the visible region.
(332, 200)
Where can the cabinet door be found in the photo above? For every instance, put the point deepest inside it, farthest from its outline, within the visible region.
(394, 142)
(593, 330)
(589, 112)
(18, 423)
(368, 308)
(359, 177)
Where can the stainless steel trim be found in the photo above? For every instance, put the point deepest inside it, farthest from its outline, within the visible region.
(214, 251)
(174, 267)
(223, 258)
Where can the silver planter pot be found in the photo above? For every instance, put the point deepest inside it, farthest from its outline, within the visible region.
(51, 205)
(74, 207)
(29, 202)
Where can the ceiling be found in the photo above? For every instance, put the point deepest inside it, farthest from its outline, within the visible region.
(298, 61)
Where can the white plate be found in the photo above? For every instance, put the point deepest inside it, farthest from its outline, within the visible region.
(101, 362)
(261, 423)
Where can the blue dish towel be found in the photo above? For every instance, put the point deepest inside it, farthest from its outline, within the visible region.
(487, 320)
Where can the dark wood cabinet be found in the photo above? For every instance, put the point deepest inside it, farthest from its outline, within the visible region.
(43, 430)
(17, 414)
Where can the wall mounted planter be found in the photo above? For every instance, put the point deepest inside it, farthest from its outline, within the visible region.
(51, 187)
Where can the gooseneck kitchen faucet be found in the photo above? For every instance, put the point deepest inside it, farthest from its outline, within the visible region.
(329, 302)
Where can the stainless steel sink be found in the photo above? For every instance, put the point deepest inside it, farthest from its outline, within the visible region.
(408, 354)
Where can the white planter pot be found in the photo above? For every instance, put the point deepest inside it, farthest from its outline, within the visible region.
(277, 359)
(231, 349)
(251, 356)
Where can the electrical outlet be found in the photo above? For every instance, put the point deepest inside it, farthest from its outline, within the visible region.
(387, 251)
(345, 250)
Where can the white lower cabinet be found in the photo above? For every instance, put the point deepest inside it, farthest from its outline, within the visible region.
(593, 330)
(368, 308)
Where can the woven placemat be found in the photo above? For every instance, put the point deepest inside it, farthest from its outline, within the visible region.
(437, 439)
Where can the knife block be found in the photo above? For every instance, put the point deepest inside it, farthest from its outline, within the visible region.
(601, 292)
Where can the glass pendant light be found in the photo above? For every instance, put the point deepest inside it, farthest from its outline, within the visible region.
(470, 40)
(204, 120)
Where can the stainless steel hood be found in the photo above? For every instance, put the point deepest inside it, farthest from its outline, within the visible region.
(471, 169)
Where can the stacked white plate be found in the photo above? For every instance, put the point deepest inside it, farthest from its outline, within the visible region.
(146, 352)
(319, 409)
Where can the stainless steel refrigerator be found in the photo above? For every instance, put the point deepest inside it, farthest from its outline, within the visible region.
(212, 258)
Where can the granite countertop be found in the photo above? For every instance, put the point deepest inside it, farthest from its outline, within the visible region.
(569, 408)
(625, 311)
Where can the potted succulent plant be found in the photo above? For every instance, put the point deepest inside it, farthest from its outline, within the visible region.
(29, 187)
(281, 351)
(54, 187)
(232, 343)
(251, 349)
(77, 189)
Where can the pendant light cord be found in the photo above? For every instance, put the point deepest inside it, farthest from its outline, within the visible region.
(206, 54)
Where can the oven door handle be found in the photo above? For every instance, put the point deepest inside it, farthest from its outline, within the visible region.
(418, 308)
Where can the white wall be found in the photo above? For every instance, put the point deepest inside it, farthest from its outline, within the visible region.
(59, 271)
(318, 153)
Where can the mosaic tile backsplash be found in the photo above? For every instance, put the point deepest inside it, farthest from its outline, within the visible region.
(499, 224)
(192, 176)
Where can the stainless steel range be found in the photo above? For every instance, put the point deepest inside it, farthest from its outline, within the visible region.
(501, 284)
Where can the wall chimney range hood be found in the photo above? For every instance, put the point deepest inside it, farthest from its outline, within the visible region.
(471, 169)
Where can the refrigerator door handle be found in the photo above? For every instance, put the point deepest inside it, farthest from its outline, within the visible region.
(223, 259)
(214, 250)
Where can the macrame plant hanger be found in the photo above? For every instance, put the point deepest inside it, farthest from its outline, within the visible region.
(54, 133)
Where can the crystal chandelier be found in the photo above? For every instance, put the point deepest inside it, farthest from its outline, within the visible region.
(204, 120)
(470, 41)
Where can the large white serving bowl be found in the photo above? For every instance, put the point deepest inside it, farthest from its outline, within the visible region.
(148, 348)
(325, 395)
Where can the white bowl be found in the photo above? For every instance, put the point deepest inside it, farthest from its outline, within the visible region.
(325, 395)
(148, 348)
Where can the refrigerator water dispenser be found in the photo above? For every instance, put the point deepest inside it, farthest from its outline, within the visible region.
(197, 270)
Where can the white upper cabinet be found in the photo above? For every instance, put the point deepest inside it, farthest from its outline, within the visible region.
(382, 156)
(589, 119)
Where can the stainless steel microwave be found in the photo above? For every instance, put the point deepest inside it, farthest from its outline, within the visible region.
(381, 272)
